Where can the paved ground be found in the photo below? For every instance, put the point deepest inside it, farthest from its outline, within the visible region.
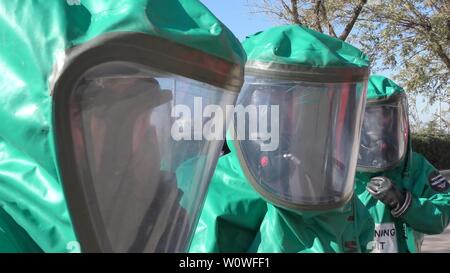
(438, 243)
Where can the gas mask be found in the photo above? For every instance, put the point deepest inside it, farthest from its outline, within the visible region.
(384, 135)
(318, 124)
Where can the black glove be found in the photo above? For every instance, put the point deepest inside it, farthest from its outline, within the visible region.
(384, 190)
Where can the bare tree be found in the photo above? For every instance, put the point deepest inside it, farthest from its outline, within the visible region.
(321, 15)
(411, 38)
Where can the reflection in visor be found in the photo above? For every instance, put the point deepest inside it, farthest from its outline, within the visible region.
(314, 163)
(384, 135)
(144, 189)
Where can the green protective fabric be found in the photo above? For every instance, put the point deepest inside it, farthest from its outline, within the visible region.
(235, 218)
(429, 212)
(34, 37)
(187, 22)
(380, 87)
(13, 237)
(298, 45)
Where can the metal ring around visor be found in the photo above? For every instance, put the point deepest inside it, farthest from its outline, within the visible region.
(154, 52)
(138, 48)
(383, 101)
(387, 99)
(273, 199)
(306, 73)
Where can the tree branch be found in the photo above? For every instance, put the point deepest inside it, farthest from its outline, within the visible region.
(448, 29)
(442, 55)
(317, 13)
(294, 11)
(271, 10)
(325, 17)
(416, 12)
(351, 23)
(286, 7)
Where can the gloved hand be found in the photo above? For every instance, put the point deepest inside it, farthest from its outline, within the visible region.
(384, 190)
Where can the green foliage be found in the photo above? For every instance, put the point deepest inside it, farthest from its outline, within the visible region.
(411, 37)
(335, 18)
(435, 147)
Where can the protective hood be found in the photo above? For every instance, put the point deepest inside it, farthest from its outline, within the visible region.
(380, 88)
(39, 58)
(297, 52)
(233, 209)
(385, 131)
(317, 85)
(189, 23)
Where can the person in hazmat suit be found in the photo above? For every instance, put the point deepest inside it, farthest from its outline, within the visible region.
(287, 183)
(406, 196)
(92, 97)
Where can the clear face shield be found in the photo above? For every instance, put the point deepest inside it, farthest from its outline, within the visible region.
(384, 135)
(143, 186)
(318, 127)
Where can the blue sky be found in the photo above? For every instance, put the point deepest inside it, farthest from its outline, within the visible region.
(237, 16)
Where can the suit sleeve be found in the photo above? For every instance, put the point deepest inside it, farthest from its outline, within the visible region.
(232, 213)
(364, 225)
(429, 212)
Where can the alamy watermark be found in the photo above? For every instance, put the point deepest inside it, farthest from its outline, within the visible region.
(210, 122)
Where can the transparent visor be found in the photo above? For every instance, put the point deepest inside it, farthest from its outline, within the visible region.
(144, 163)
(384, 135)
(304, 157)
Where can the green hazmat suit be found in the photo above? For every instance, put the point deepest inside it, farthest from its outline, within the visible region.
(236, 216)
(13, 238)
(429, 212)
(38, 40)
